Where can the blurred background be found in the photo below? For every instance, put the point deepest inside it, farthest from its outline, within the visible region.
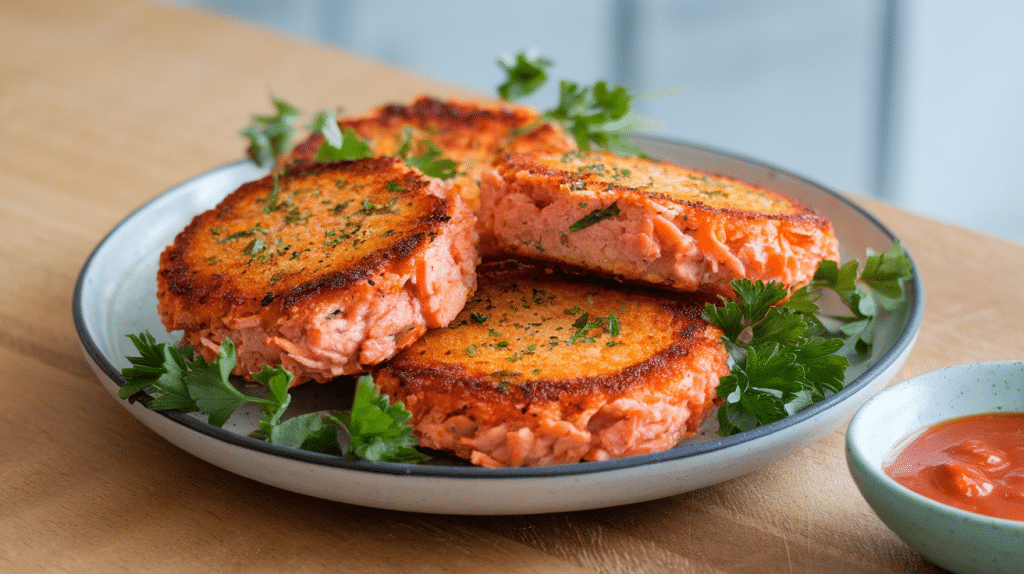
(918, 102)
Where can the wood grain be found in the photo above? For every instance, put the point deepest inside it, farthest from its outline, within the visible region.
(107, 104)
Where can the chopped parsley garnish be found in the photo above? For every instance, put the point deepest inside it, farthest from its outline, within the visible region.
(584, 324)
(370, 208)
(784, 356)
(254, 247)
(243, 234)
(272, 136)
(341, 147)
(340, 208)
(595, 216)
(431, 162)
(377, 430)
(541, 297)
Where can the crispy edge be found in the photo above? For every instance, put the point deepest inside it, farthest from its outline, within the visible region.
(508, 165)
(452, 380)
(205, 300)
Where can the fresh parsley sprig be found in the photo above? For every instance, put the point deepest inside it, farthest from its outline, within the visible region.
(431, 162)
(878, 287)
(377, 430)
(784, 357)
(338, 147)
(781, 363)
(525, 74)
(271, 136)
(598, 116)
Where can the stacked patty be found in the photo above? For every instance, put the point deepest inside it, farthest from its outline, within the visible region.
(324, 268)
(650, 222)
(541, 368)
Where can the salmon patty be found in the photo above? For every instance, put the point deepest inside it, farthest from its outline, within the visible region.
(323, 268)
(471, 133)
(650, 222)
(542, 369)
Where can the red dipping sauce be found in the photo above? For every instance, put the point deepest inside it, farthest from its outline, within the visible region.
(975, 463)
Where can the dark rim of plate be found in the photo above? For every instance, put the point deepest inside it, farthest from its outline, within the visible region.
(905, 339)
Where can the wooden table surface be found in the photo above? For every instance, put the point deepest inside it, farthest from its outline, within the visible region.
(104, 105)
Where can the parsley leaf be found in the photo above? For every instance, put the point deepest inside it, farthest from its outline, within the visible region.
(595, 216)
(886, 273)
(761, 390)
(584, 324)
(277, 380)
(317, 432)
(879, 286)
(208, 383)
(597, 116)
(377, 430)
(525, 74)
(784, 359)
(348, 147)
(326, 123)
(161, 369)
(272, 136)
(431, 162)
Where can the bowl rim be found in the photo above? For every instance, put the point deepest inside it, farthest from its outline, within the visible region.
(861, 467)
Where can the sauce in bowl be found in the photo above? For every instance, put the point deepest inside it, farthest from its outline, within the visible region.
(974, 463)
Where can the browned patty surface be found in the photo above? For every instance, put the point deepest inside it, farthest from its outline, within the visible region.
(295, 253)
(564, 358)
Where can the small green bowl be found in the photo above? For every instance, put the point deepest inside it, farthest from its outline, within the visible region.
(957, 540)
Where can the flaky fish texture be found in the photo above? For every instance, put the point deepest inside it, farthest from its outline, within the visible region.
(541, 369)
(323, 268)
(650, 222)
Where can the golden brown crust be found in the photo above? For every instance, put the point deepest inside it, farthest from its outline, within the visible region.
(288, 240)
(518, 344)
(592, 174)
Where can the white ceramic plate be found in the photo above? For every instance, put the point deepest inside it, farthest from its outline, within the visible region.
(116, 295)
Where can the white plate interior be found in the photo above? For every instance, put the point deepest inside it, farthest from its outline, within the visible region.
(116, 295)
